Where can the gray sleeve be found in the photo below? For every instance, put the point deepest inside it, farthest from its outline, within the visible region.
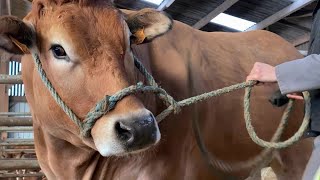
(299, 75)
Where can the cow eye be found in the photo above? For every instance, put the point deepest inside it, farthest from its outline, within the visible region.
(58, 52)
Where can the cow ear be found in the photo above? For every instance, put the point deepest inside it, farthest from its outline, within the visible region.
(147, 24)
(16, 36)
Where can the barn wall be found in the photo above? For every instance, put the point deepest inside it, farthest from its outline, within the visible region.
(20, 8)
(20, 107)
(3, 67)
(18, 90)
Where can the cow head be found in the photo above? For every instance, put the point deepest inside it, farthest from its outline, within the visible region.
(85, 51)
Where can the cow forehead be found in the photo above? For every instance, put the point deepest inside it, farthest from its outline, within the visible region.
(85, 27)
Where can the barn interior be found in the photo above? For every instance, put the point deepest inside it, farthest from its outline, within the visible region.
(290, 19)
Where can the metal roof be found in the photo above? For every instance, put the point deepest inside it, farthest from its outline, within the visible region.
(290, 19)
(191, 12)
(296, 15)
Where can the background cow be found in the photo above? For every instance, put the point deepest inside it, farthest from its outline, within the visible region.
(85, 51)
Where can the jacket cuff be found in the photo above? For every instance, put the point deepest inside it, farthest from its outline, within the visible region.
(280, 75)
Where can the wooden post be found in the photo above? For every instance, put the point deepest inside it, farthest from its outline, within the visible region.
(4, 136)
(4, 9)
(4, 98)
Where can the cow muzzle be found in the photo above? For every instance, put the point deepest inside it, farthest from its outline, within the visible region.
(139, 133)
(125, 134)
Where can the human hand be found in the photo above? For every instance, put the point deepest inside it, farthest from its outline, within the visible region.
(264, 73)
(297, 96)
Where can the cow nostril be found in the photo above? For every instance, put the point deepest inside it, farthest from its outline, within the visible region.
(124, 132)
(137, 132)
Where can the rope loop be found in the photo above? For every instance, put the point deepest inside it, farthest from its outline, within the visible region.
(277, 145)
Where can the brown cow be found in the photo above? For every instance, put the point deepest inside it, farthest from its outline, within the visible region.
(86, 54)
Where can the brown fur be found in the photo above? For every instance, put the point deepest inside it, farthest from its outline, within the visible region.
(185, 62)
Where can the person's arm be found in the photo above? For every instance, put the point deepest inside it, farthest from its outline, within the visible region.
(294, 76)
(299, 75)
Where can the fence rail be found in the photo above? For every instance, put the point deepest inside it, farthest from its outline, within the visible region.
(21, 175)
(14, 114)
(10, 79)
(16, 128)
(15, 121)
(13, 151)
(11, 122)
(12, 164)
(17, 143)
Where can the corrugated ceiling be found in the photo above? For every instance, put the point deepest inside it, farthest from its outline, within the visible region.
(191, 11)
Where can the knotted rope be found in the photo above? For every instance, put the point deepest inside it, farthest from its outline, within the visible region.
(109, 102)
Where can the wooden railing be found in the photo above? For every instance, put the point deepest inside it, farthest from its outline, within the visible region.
(17, 156)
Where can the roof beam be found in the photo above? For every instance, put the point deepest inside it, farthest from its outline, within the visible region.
(165, 4)
(295, 25)
(301, 39)
(295, 6)
(220, 9)
(299, 15)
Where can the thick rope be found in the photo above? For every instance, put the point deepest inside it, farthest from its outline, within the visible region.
(265, 158)
(109, 102)
(202, 97)
(277, 145)
(167, 99)
(258, 160)
(52, 91)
